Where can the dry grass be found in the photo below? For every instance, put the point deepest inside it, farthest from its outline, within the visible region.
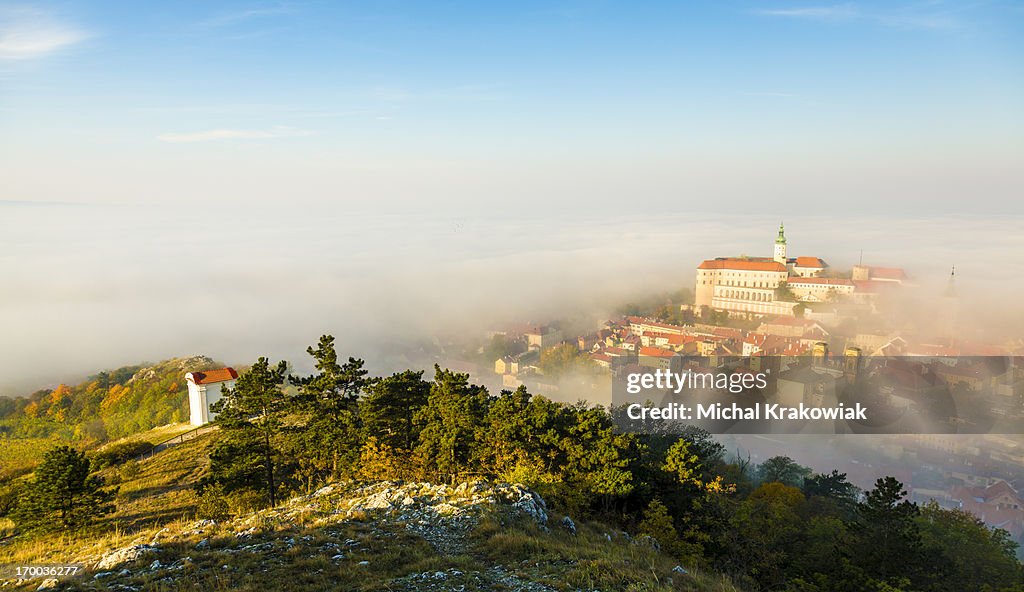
(155, 435)
(19, 455)
(588, 560)
(159, 495)
(499, 553)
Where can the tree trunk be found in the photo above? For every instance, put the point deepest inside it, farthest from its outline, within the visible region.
(268, 455)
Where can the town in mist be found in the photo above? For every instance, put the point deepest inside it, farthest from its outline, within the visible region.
(94, 287)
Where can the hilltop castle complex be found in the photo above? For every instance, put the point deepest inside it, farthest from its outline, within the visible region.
(776, 285)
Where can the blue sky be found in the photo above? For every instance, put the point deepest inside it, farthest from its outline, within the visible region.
(573, 102)
(509, 161)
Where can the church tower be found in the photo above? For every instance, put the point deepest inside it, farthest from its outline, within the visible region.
(780, 245)
(950, 308)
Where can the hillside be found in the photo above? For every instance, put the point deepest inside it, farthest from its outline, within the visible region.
(377, 536)
(386, 455)
(106, 406)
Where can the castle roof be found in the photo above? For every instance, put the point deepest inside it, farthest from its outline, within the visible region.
(741, 264)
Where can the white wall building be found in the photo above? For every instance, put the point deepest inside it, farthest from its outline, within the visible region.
(204, 389)
(751, 284)
(813, 289)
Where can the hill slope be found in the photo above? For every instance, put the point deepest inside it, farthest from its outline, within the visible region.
(109, 405)
(347, 536)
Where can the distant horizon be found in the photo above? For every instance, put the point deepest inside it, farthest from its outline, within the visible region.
(239, 178)
(235, 286)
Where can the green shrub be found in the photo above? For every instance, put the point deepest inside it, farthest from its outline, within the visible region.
(116, 454)
(213, 505)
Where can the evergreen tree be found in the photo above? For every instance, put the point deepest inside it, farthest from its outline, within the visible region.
(597, 459)
(328, 400)
(765, 533)
(251, 417)
(448, 423)
(63, 493)
(390, 406)
(519, 439)
(657, 523)
(833, 486)
(889, 542)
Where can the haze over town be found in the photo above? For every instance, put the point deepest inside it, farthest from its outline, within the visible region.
(238, 283)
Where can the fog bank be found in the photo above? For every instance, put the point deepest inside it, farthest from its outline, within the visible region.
(92, 287)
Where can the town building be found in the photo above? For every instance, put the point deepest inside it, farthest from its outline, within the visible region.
(543, 337)
(998, 505)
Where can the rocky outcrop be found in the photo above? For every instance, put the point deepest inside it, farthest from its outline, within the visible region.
(353, 529)
(441, 514)
(124, 555)
(426, 501)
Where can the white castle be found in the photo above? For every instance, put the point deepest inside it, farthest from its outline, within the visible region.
(752, 284)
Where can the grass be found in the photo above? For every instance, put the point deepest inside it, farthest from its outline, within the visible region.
(19, 455)
(155, 435)
(159, 495)
(587, 560)
(295, 554)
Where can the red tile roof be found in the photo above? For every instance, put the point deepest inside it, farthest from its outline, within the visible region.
(670, 338)
(742, 265)
(888, 273)
(1000, 488)
(211, 376)
(656, 352)
(728, 332)
(810, 262)
(790, 321)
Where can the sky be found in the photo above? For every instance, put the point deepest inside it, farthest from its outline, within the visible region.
(235, 178)
(465, 102)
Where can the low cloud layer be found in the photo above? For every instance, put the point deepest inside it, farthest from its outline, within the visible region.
(87, 288)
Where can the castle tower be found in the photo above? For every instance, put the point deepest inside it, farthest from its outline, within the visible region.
(950, 308)
(780, 245)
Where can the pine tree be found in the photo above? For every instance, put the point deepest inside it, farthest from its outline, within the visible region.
(518, 438)
(833, 486)
(63, 493)
(389, 407)
(330, 435)
(251, 416)
(889, 542)
(448, 423)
